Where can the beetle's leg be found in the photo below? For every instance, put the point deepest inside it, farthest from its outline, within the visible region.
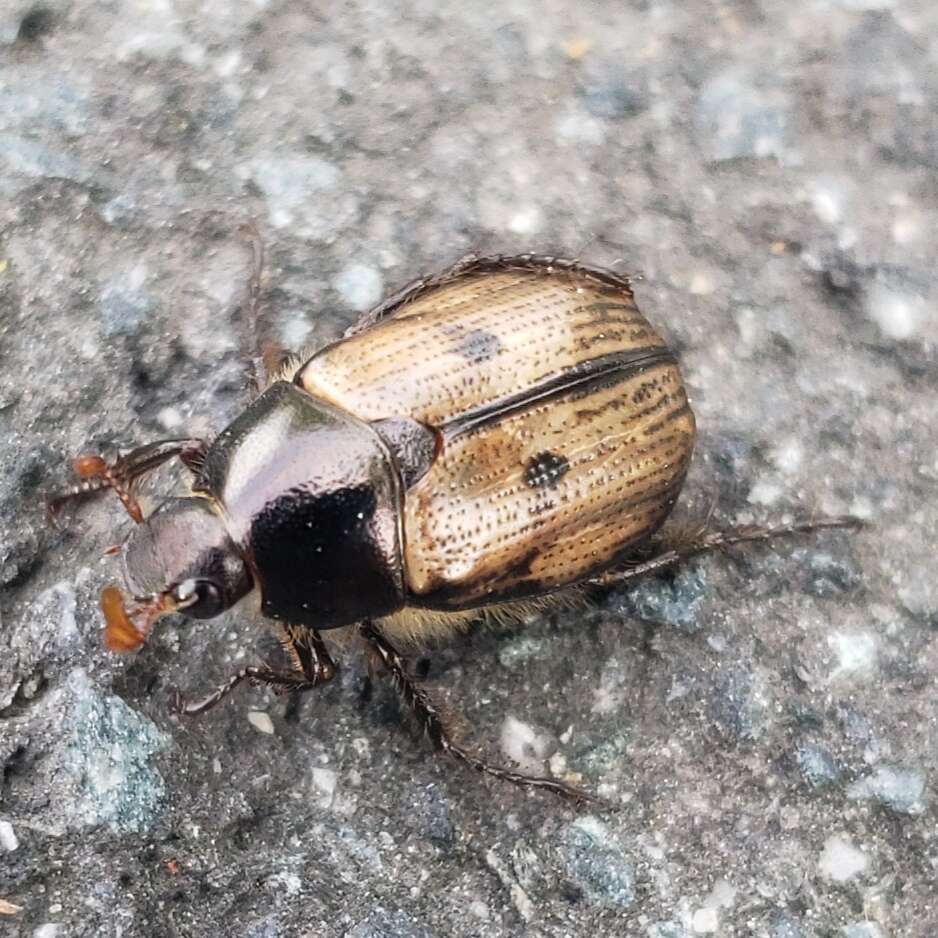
(308, 655)
(419, 702)
(123, 474)
(258, 365)
(707, 541)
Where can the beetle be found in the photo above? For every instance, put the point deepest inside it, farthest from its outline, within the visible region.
(495, 434)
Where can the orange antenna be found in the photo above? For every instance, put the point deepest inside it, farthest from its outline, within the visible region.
(94, 468)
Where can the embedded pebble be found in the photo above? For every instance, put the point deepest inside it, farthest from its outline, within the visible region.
(31, 98)
(785, 926)
(737, 117)
(579, 127)
(597, 863)
(304, 194)
(261, 721)
(109, 760)
(828, 199)
(385, 923)
(517, 651)
(525, 745)
(23, 160)
(741, 704)
(899, 788)
(822, 573)
(674, 600)
(8, 838)
(841, 860)
(360, 286)
(817, 765)
(667, 930)
(125, 304)
(611, 90)
(899, 313)
(324, 781)
(862, 930)
(706, 921)
(856, 653)
(49, 930)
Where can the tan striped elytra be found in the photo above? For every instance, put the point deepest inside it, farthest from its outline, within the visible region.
(566, 431)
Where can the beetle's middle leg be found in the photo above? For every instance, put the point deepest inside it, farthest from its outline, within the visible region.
(707, 542)
(419, 702)
(308, 655)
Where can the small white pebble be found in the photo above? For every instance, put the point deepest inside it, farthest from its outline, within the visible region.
(526, 221)
(788, 455)
(841, 860)
(523, 744)
(480, 910)
(359, 285)
(706, 921)
(702, 284)
(828, 199)
(49, 930)
(856, 652)
(898, 314)
(324, 781)
(717, 642)
(765, 493)
(906, 229)
(261, 721)
(558, 764)
(8, 839)
(169, 418)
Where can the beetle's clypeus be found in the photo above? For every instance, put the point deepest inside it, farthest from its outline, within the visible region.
(506, 429)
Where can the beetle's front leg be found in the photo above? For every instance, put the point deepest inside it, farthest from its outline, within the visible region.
(126, 471)
(308, 655)
(708, 541)
(419, 702)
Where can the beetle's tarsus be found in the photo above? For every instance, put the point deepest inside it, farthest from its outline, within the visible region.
(705, 541)
(427, 713)
(306, 652)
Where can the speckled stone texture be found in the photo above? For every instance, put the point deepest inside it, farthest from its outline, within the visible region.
(766, 718)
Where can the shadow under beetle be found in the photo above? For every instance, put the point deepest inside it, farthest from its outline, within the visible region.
(508, 428)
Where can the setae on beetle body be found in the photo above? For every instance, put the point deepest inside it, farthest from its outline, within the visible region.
(496, 433)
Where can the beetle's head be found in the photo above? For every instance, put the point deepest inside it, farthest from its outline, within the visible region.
(181, 559)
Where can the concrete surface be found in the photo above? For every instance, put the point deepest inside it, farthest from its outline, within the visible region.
(766, 718)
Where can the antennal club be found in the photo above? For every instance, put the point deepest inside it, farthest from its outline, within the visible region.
(127, 629)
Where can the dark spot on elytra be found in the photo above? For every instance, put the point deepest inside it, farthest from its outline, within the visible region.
(477, 345)
(545, 469)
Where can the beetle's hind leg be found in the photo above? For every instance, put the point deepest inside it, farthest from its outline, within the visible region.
(705, 542)
(122, 475)
(308, 655)
(419, 702)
